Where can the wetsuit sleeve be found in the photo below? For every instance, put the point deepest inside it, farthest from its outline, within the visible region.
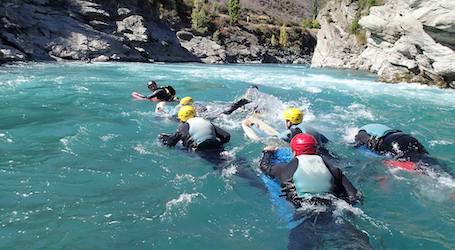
(294, 132)
(159, 93)
(221, 134)
(343, 187)
(285, 136)
(238, 104)
(182, 130)
(283, 171)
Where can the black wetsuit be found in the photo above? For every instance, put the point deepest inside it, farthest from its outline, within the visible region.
(341, 187)
(166, 93)
(400, 145)
(250, 95)
(236, 105)
(183, 134)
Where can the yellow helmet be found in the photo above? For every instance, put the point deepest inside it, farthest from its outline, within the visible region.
(186, 101)
(294, 115)
(186, 112)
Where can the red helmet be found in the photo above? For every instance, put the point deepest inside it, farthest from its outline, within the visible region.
(304, 144)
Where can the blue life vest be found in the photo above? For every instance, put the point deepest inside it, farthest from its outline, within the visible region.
(282, 155)
(312, 176)
(377, 130)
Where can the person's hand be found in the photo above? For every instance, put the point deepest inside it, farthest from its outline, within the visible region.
(248, 123)
(269, 149)
(163, 136)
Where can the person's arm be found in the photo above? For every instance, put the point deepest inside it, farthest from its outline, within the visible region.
(172, 140)
(285, 136)
(157, 93)
(265, 163)
(282, 171)
(343, 187)
(221, 134)
(361, 138)
(238, 104)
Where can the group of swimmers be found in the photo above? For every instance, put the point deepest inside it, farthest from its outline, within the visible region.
(311, 169)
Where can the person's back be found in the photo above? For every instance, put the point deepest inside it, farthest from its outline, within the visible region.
(312, 175)
(202, 134)
(384, 140)
(196, 133)
(308, 172)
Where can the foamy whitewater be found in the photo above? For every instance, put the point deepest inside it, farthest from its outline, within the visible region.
(81, 167)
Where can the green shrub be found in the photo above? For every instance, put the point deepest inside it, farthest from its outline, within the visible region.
(283, 36)
(315, 24)
(354, 27)
(234, 9)
(311, 24)
(307, 23)
(216, 36)
(273, 40)
(199, 17)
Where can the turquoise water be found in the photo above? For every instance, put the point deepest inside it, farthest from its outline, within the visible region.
(81, 168)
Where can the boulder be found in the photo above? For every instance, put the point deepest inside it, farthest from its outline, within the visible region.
(207, 50)
(407, 40)
(438, 19)
(184, 35)
(123, 13)
(400, 49)
(91, 10)
(10, 54)
(101, 58)
(133, 28)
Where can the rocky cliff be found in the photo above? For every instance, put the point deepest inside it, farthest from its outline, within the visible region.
(129, 30)
(86, 30)
(406, 40)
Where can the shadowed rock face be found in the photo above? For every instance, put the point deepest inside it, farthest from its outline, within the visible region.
(408, 41)
(84, 30)
(123, 30)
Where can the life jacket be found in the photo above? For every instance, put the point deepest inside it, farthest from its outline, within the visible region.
(377, 130)
(169, 90)
(312, 176)
(377, 133)
(200, 130)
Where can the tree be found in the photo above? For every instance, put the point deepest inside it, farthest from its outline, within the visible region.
(283, 36)
(199, 17)
(273, 40)
(315, 9)
(234, 9)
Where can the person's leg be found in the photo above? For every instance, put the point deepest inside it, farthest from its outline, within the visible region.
(321, 230)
